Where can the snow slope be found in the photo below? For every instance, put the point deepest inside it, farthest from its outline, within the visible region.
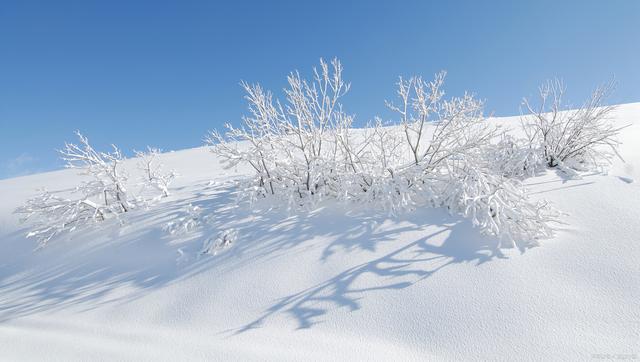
(335, 284)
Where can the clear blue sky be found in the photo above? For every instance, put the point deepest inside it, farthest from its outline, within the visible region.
(160, 73)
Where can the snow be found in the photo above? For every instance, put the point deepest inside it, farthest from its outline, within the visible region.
(334, 284)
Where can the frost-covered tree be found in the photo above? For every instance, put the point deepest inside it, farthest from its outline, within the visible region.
(458, 126)
(292, 146)
(153, 173)
(52, 214)
(100, 195)
(580, 138)
(450, 164)
(305, 150)
(498, 205)
(108, 180)
(515, 157)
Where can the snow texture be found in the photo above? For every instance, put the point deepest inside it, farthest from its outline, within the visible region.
(334, 283)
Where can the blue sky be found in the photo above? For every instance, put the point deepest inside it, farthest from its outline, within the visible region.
(158, 73)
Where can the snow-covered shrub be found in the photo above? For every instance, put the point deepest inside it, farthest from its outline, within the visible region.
(459, 129)
(224, 240)
(582, 138)
(454, 165)
(497, 205)
(191, 220)
(515, 157)
(153, 175)
(293, 147)
(108, 179)
(52, 214)
(442, 154)
(101, 196)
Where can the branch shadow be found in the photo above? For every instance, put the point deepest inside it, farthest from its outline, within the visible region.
(567, 181)
(115, 263)
(451, 241)
(119, 264)
(95, 266)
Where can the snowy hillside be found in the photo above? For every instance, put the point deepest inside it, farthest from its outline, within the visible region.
(332, 284)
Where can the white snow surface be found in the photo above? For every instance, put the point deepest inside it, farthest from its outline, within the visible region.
(333, 284)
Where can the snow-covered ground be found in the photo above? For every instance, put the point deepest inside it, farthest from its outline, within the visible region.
(334, 284)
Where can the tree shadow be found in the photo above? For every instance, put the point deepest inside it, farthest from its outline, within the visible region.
(118, 264)
(115, 262)
(579, 179)
(452, 241)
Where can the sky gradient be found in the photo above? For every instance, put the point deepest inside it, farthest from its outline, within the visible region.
(158, 73)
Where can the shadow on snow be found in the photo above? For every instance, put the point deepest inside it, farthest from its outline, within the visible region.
(118, 264)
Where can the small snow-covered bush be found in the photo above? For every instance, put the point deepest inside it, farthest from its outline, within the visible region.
(191, 220)
(153, 175)
(52, 214)
(515, 158)
(497, 205)
(108, 179)
(441, 154)
(447, 159)
(295, 148)
(580, 139)
(224, 240)
(102, 195)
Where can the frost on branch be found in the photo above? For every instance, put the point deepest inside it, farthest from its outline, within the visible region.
(294, 148)
(108, 180)
(516, 158)
(497, 205)
(304, 151)
(451, 164)
(153, 174)
(52, 215)
(101, 196)
(458, 129)
(578, 139)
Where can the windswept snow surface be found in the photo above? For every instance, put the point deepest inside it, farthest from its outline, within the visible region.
(334, 284)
